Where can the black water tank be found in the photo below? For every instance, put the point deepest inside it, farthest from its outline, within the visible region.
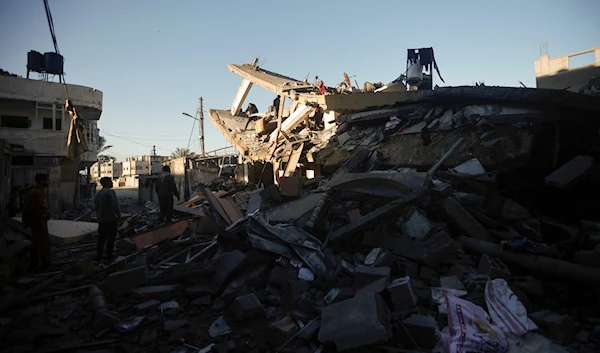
(53, 63)
(35, 61)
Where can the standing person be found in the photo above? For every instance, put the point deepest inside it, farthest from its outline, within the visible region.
(166, 188)
(107, 214)
(36, 215)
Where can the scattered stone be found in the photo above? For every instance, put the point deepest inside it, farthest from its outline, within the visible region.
(373, 255)
(290, 186)
(292, 290)
(281, 331)
(309, 331)
(219, 305)
(225, 347)
(460, 217)
(451, 282)
(160, 292)
(561, 328)
(493, 267)
(204, 301)
(356, 322)
(402, 294)
(571, 173)
(376, 287)
(246, 307)
(364, 275)
(418, 226)
(420, 328)
(174, 325)
(148, 337)
(147, 306)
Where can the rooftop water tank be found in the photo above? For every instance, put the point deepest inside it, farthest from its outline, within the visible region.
(35, 61)
(414, 75)
(53, 63)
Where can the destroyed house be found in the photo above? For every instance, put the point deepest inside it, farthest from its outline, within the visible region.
(523, 133)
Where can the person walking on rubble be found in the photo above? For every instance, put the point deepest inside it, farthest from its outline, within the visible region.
(107, 214)
(166, 189)
(36, 214)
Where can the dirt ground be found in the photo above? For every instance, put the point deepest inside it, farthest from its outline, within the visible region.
(126, 192)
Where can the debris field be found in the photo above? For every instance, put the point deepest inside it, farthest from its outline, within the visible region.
(464, 220)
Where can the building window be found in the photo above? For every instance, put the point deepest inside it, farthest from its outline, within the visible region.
(58, 124)
(47, 124)
(18, 122)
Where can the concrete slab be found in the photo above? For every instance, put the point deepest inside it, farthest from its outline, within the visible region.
(290, 211)
(61, 231)
(571, 173)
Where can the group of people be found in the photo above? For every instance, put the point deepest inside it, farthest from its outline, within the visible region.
(36, 214)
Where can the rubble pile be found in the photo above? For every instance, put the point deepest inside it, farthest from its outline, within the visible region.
(368, 260)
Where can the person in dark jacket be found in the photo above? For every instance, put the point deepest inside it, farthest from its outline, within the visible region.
(166, 189)
(107, 214)
(36, 214)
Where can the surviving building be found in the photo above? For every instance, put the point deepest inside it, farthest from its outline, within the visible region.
(33, 119)
(562, 72)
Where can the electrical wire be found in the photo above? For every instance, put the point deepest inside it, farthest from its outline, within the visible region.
(191, 132)
(141, 144)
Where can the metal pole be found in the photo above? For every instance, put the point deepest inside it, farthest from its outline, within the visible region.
(201, 127)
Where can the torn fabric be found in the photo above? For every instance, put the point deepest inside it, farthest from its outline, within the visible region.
(76, 142)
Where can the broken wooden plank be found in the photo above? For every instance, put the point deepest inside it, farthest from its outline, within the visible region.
(155, 236)
(232, 210)
(189, 210)
(216, 206)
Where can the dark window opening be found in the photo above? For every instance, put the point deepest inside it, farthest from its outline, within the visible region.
(58, 124)
(47, 124)
(18, 122)
(22, 160)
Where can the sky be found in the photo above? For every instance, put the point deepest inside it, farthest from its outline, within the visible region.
(153, 59)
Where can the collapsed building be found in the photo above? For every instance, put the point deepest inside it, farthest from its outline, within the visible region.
(455, 219)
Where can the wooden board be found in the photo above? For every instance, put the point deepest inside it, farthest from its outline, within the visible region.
(189, 210)
(215, 205)
(233, 211)
(61, 231)
(155, 236)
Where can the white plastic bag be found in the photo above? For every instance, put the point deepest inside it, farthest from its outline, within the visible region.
(506, 309)
(470, 329)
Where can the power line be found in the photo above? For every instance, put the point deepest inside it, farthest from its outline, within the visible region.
(141, 144)
(146, 138)
(144, 135)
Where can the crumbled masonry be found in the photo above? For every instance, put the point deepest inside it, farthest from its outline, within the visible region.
(373, 254)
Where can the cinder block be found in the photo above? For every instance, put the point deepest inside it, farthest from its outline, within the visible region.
(361, 321)
(246, 307)
(493, 267)
(402, 294)
(364, 275)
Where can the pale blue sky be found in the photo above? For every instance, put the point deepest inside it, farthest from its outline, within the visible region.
(153, 59)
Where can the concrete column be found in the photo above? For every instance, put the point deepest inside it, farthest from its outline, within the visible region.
(240, 97)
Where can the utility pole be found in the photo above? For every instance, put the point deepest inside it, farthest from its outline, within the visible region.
(153, 159)
(201, 126)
